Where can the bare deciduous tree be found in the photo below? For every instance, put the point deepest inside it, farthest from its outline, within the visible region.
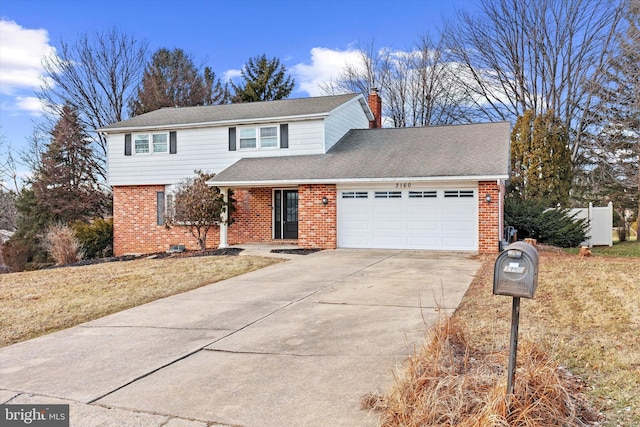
(415, 85)
(197, 206)
(8, 168)
(519, 55)
(613, 152)
(96, 75)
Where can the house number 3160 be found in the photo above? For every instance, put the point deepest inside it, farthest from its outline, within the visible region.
(403, 185)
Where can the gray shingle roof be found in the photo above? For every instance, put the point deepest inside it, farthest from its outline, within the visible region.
(186, 116)
(474, 150)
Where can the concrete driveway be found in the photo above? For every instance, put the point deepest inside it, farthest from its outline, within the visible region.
(293, 344)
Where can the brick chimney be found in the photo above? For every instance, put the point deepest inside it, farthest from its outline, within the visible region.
(375, 104)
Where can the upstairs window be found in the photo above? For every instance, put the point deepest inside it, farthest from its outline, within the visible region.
(247, 138)
(269, 137)
(160, 143)
(141, 143)
(145, 143)
(258, 137)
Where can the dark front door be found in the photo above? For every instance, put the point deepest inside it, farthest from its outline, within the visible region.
(285, 214)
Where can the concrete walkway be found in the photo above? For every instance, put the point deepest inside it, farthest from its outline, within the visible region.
(293, 344)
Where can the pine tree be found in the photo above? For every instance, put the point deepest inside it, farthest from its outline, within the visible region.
(540, 159)
(172, 80)
(66, 184)
(263, 80)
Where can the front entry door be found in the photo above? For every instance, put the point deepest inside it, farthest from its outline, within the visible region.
(285, 214)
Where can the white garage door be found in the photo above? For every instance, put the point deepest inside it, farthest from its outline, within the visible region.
(438, 219)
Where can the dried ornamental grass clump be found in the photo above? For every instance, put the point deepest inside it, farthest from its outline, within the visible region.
(61, 243)
(446, 383)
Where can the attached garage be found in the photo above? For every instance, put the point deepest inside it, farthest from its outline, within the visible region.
(437, 188)
(430, 218)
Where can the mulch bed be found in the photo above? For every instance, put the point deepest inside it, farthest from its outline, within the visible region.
(157, 255)
(295, 251)
(184, 254)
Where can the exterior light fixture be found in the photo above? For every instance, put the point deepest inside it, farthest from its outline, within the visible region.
(488, 198)
(325, 201)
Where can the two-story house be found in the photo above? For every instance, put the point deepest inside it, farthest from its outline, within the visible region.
(319, 172)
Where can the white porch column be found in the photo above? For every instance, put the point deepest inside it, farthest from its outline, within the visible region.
(224, 216)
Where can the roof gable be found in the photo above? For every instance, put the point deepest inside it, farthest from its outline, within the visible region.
(235, 113)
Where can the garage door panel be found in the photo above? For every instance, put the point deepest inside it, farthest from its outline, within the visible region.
(422, 226)
(466, 227)
(388, 242)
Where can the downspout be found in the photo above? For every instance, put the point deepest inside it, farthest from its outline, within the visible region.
(501, 194)
(224, 217)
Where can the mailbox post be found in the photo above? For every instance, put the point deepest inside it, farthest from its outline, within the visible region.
(515, 274)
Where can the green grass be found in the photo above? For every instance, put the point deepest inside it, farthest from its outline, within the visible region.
(628, 249)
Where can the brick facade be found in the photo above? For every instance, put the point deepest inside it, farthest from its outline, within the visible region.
(489, 215)
(252, 219)
(136, 229)
(135, 223)
(317, 223)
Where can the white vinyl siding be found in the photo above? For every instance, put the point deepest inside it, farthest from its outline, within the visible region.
(342, 119)
(202, 148)
(408, 219)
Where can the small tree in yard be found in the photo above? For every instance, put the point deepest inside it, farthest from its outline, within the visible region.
(197, 206)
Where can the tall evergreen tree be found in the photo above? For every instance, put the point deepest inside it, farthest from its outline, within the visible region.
(66, 185)
(540, 159)
(614, 153)
(172, 80)
(263, 80)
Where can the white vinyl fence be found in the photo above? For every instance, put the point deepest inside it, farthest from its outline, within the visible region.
(600, 222)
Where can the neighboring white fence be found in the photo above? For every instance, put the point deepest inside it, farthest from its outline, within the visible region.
(600, 222)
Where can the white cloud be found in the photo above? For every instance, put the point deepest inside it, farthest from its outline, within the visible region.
(21, 53)
(231, 74)
(30, 104)
(326, 65)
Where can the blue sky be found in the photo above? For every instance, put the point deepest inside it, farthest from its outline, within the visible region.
(314, 39)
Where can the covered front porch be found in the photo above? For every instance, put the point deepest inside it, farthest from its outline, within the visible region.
(301, 215)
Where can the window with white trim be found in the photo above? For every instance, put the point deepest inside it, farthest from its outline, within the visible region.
(430, 194)
(355, 194)
(144, 143)
(388, 194)
(258, 137)
(458, 193)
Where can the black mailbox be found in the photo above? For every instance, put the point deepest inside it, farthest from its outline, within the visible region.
(516, 271)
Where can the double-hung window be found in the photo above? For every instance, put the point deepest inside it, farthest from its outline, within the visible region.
(141, 143)
(151, 143)
(268, 137)
(247, 138)
(160, 143)
(258, 137)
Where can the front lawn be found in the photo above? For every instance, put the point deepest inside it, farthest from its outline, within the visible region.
(630, 249)
(39, 302)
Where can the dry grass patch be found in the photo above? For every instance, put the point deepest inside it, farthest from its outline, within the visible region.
(585, 317)
(447, 383)
(39, 302)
